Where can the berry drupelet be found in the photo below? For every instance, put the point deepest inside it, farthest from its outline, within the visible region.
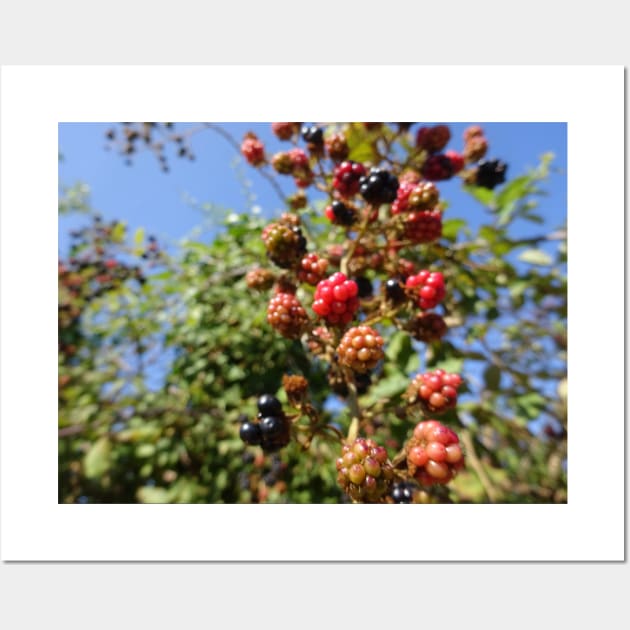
(378, 187)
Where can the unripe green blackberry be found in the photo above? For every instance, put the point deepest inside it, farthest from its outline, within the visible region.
(337, 147)
(364, 471)
(424, 196)
(285, 245)
(360, 349)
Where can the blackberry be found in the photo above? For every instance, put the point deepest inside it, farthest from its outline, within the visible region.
(336, 299)
(361, 348)
(275, 432)
(365, 287)
(379, 186)
(269, 405)
(313, 135)
(346, 177)
(337, 147)
(250, 433)
(437, 167)
(362, 382)
(490, 173)
(433, 139)
(402, 492)
(436, 391)
(394, 291)
(341, 214)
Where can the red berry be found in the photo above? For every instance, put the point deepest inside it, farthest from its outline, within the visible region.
(253, 149)
(346, 177)
(457, 160)
(437, 167)
(427, 327)
(428, 287)
(287, 315)
(360, 349)
(337, 147)
(423, 226)
(433, 453)
(285, 245)
(312, 269)
(434, 391)
(336, 299)
(285, 130)
(433, 139)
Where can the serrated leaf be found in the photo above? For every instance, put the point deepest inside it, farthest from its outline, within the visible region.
(536, 257)
(97, 460)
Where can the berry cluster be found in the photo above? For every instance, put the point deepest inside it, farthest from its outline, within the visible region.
(285, 130)
(336, 299)
(285, 245)
(287, 315)
(434, 454)
(378, 187)
(272, 428)
(423, 226)
(436, 391)
(427, 327)
(364, 471)
(360, 349)
(312, 269)
(433, 139)
(341, 214)
(490, 173)
(259, 279)
(346, 177)
(253, 149)
(427, 287)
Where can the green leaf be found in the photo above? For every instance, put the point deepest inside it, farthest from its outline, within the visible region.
(452, 227)
(482, 195)
(118, 232)
(388, 388)
(536, 257)
(97, 460)
(515, 190)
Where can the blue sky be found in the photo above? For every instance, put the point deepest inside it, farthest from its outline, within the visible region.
(143, 195)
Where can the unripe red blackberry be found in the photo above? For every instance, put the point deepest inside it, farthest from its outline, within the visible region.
(312, 269)
(435, 391)
(379, 186)
(433, 139)
(299, 159)
(336, 299)
(423, 226)
(285, 130)
(490, 173)
(364, 471)
(337, 147)
(427, 327)
(428, 287)
(437, 167)
(457, 161)
(341, 214)
(298, 201)
(346, 177)
(285, 245)
(260, 279)
(434, 454)
(360, 349)
(401, 203)
(253, 149)
(287, 315)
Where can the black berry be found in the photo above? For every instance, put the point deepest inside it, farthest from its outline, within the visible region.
(269, 405)
(341, 214)
(250, 433)
(365, 287)
(394, 291)
(379, 186)
(272, 427)
(313, 135)
(402, 492)
(490, 173)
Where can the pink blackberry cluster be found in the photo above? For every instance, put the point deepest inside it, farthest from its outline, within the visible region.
(428, 287)
(436, 391)
(336, 299)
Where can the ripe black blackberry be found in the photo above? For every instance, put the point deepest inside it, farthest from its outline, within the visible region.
(313, 135)
(402, 492)
(250, 433)
(490, 173)
(378, 186)
(394, 291)
(365, 287)
(269, 405)
(275, 432)
(341, 214)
